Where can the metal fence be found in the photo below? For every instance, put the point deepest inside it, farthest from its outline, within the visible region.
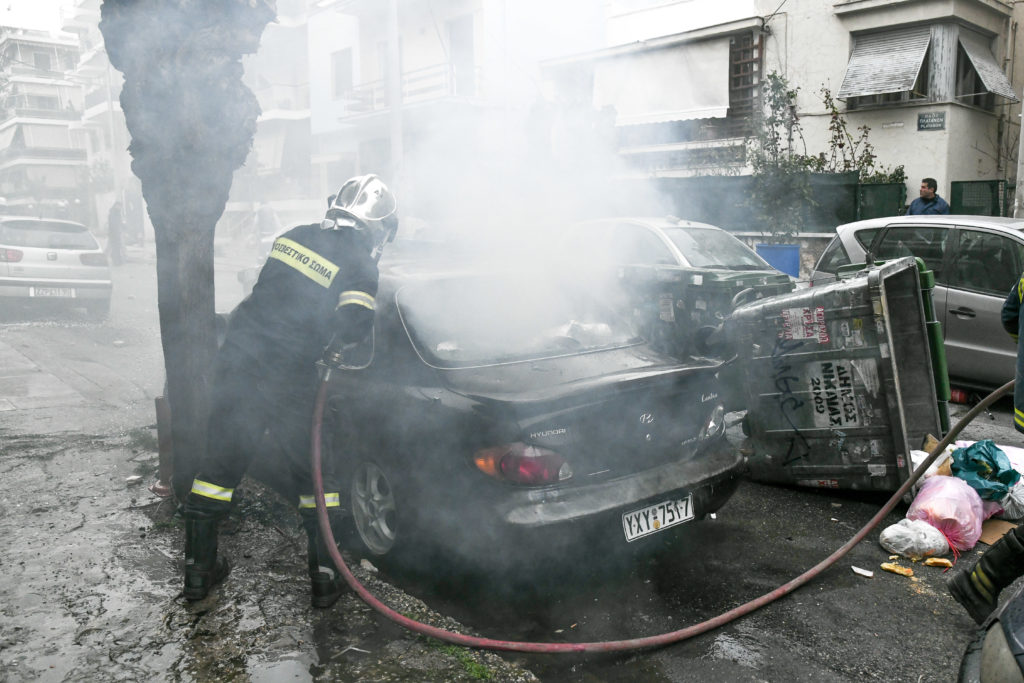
(837, 199)
(881, 199)
(981, 197)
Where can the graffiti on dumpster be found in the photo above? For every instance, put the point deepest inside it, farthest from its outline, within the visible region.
(835, 402)
(789, 403)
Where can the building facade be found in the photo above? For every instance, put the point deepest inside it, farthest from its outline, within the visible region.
(43, 157)
(937, 81)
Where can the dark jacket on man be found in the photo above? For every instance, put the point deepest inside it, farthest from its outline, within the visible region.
(936, 206)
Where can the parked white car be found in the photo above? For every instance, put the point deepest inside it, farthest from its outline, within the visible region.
(976, 260)
(45, 259)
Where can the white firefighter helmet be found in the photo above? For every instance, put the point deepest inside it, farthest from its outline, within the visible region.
(364, 203)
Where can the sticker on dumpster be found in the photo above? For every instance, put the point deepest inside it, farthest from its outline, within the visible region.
(867, 371)
(852, 332)
(835, 403)
(804, 323)
(666, 311)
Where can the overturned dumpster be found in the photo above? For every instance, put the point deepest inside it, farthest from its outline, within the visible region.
(839, 381)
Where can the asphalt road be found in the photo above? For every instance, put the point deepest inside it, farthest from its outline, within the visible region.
(69, 387)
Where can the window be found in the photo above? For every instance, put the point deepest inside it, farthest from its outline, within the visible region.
(834, 257)
(41, 60)
(341, 69)
(925, 243)
(745, 53)
(744, 92)
(986, 262)
(634, 245)
(890, 67)
(906, 65)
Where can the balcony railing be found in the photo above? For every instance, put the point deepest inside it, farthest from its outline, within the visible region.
(33, 113)
(430, 83)
(99, 96)
(29, 153)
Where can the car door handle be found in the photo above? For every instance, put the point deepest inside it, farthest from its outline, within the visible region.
(964, 312)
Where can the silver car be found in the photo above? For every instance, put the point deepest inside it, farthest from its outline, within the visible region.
(976, 260)
(53, 260)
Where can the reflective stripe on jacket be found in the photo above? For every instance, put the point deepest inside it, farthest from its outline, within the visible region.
(302, 299)
(1012, 322)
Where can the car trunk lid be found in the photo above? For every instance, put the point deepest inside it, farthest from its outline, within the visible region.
(605, 424)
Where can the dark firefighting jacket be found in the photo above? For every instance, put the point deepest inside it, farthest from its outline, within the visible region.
(1012, 322)
(316, 284)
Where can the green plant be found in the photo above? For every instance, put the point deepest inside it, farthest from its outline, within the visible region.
(777, 153)
(782, 198)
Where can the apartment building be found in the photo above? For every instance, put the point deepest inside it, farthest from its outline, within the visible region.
(937, 81)
(43, 159)
(444, 111)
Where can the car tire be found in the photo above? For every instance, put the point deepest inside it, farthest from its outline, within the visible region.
(98, 309)
(374, 503)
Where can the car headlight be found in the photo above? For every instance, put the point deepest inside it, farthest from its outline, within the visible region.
(715, 424)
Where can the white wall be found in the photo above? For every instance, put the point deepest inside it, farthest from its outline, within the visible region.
(328, 33)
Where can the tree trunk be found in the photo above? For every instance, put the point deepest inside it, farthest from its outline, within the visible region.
(191, 121)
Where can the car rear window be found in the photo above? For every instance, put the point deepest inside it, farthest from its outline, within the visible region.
(472, 321)
(834, 257)
(46, 235)
(712, 248)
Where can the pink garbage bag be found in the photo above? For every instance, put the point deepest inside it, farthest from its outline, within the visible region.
(950, 505)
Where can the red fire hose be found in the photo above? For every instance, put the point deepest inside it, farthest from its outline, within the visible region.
(610, 645)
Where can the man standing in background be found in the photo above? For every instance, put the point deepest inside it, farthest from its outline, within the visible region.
(929, 203)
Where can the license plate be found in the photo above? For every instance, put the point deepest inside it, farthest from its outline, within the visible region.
(655, 518)
(64, 292)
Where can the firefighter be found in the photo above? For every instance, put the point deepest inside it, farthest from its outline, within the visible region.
(313, 300)
(978, 588)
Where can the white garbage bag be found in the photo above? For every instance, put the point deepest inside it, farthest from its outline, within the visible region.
(914, 539)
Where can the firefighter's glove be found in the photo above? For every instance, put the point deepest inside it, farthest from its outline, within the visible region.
(340, 356)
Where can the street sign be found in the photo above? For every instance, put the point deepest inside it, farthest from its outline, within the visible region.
(931, 120)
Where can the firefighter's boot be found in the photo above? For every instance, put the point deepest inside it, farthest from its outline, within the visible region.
(977, 589)
(325, 582)
(203, 566)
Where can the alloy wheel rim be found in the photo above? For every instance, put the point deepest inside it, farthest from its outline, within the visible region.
(374, 509)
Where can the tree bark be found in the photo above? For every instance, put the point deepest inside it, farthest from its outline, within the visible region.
(192, 122)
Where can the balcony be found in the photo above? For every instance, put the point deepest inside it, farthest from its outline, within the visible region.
(428, 84)
(28, 154)
(32, 113)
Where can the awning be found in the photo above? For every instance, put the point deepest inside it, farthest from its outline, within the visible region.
(688, 81)
(992, 77)
(885, 62)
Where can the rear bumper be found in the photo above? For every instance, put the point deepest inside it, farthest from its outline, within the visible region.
(700, 475)
(528, 531)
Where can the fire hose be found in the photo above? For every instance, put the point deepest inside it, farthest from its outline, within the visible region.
(611, 645)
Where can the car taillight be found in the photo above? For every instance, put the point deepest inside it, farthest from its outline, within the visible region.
(520, 463)
(715, 423)
(10, 255)
(94, 259)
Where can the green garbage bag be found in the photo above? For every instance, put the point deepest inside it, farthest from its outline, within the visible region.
(986, 469)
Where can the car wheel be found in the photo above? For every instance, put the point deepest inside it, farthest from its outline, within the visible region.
(98, 310)
(374, 508)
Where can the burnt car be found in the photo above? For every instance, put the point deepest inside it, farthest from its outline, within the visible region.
(679, 279)
(509, 417)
